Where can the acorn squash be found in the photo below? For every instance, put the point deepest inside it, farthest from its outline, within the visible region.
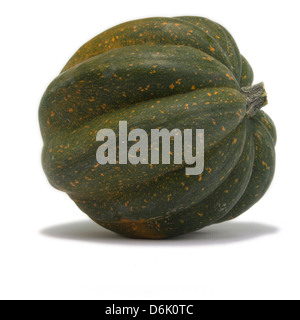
(184, 72)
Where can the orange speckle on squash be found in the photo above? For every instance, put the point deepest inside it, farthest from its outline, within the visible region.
(229, 77)
(212, 49)
(239, 115)
(266, 165)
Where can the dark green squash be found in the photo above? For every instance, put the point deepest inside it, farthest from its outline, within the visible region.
(184, 72)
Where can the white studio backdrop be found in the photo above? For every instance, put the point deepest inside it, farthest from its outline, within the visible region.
(51, 250)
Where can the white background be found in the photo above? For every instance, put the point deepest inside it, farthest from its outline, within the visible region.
(50, 250)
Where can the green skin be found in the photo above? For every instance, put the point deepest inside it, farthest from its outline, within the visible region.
(158, 73)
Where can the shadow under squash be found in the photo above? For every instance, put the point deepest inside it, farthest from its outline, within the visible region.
(224, 233)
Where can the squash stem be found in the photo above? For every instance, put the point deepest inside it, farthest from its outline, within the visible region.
(256, 97)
